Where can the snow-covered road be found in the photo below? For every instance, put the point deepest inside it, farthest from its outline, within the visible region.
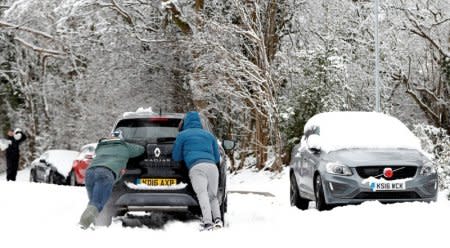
(41, 215)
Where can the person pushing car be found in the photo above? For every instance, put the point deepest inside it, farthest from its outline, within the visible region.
(199, 150)
(111, 157)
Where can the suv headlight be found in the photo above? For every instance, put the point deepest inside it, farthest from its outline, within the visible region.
(427, 169)
(339, 169)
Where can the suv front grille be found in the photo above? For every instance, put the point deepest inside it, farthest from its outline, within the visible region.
(400, 172)
(387, 195)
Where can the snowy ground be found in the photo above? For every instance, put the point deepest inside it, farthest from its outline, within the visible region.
(42, 215)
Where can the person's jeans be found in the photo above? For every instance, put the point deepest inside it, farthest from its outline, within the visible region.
(99, 183)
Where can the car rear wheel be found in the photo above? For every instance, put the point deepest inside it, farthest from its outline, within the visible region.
(33, 176)
(296, 199)
(320, 197)
(51, 177)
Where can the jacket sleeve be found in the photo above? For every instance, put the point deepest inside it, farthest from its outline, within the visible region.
(177, 150)
(24, 137)
(135, 150)
(216, 150)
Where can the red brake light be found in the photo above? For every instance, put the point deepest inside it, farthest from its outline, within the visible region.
(158, 119)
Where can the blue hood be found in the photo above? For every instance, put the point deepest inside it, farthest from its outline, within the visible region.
(192, 120)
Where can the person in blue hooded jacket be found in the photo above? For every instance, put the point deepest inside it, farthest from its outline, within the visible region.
(199, 150)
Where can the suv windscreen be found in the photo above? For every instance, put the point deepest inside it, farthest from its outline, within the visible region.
(159, 128)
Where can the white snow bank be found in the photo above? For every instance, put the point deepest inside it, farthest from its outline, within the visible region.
(45, 215)
(346, 130)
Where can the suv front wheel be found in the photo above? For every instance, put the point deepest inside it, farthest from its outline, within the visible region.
(295, 198)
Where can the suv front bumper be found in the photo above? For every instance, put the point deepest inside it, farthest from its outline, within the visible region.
(353, 189)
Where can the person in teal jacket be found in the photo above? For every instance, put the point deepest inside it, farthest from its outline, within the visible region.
(111, 157)
(199, 150)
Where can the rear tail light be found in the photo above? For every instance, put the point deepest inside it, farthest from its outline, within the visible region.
(158, 119)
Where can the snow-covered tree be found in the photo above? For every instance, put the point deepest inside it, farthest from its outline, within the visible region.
(233, 72)
(76, 65)
(436, 142)
(422, 32)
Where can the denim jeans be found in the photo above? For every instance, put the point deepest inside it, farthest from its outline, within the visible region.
(99, 183)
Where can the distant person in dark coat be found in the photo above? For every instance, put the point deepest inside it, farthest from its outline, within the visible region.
(15, 138)
(199, 150)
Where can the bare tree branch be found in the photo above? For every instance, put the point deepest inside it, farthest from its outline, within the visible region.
(420, 32)
(40, 49)
(423, 106)
(428, 92)
(26, 29)
(177, 17)
(440, 22)
(122, 12)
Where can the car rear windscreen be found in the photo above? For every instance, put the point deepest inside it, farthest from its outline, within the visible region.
(148, 128)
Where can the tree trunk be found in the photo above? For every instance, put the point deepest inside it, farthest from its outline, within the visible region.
(271, 37)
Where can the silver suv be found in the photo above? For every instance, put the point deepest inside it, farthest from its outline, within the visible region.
(351, 157)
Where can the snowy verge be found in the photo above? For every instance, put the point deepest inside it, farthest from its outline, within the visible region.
(47, 215)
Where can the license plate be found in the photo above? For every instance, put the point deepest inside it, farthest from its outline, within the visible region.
(387, 186)
(158, 181)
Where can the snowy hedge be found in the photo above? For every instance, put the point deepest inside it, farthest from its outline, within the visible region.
(436, 142)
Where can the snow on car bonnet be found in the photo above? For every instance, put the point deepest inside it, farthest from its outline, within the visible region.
(62, 160)
(346, 130)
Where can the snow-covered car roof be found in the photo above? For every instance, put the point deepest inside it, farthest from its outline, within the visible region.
(62, 160)
(347, 130)
(148, 112)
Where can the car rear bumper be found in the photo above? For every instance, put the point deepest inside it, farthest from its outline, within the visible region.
(354, 189)
(152, 200)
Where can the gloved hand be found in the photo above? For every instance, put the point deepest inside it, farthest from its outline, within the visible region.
(18, 135)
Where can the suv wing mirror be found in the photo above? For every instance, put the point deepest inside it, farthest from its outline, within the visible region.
(228, 144)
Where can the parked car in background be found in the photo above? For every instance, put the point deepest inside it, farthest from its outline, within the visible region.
(153, 181)
(81, 163)
(351, 157)
(53, 166)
